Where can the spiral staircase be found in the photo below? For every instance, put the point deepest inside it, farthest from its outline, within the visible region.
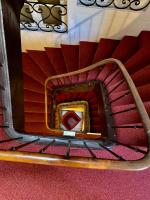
(40, 65)
(108, 82)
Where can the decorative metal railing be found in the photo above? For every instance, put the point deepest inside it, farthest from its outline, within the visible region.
(44, 16)
(134, 5)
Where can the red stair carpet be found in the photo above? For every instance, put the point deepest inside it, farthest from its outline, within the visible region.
(132, 51)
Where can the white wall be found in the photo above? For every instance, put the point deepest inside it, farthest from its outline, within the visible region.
(90, 23)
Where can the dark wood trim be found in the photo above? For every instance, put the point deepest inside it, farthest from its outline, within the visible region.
(11, 18)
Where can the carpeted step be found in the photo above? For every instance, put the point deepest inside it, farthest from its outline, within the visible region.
(57, 60)
(125, 49)
(8, 145)
(121, 85)
(82, 77)
(86, 53)
(129, 154)
(104, 50)
(32, 70)
(67, 81)
(71, 56)
(32, 85)
(137, 62)
(144, 92)
(34, 107)
(130, 116)
(144, 38)
(42, 61)
(114, 77)
(142, 76)
(55, 83)
(34, 147)
(34, 117)
(132, 136)
(30, 96)
(126, 153)
(87, 96)
(36, 128)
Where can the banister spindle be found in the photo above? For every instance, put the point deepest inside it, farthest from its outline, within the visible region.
(112, 152)
(23, 145)
(89, 150)
(120, 83)
(115, 74)
(109, 73)
(46, 147)
(9, 140)
(68, 149)
(120, 97)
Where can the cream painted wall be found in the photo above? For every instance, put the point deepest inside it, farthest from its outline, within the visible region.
(90, 23)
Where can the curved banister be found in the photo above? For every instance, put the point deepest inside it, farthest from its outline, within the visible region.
(139, 104)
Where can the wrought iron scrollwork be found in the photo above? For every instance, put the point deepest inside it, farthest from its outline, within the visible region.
(134, 5)
(37, 16)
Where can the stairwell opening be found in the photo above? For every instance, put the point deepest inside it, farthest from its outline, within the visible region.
(96, 114)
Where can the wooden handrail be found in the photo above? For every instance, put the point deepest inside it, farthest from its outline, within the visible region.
(77, 162)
